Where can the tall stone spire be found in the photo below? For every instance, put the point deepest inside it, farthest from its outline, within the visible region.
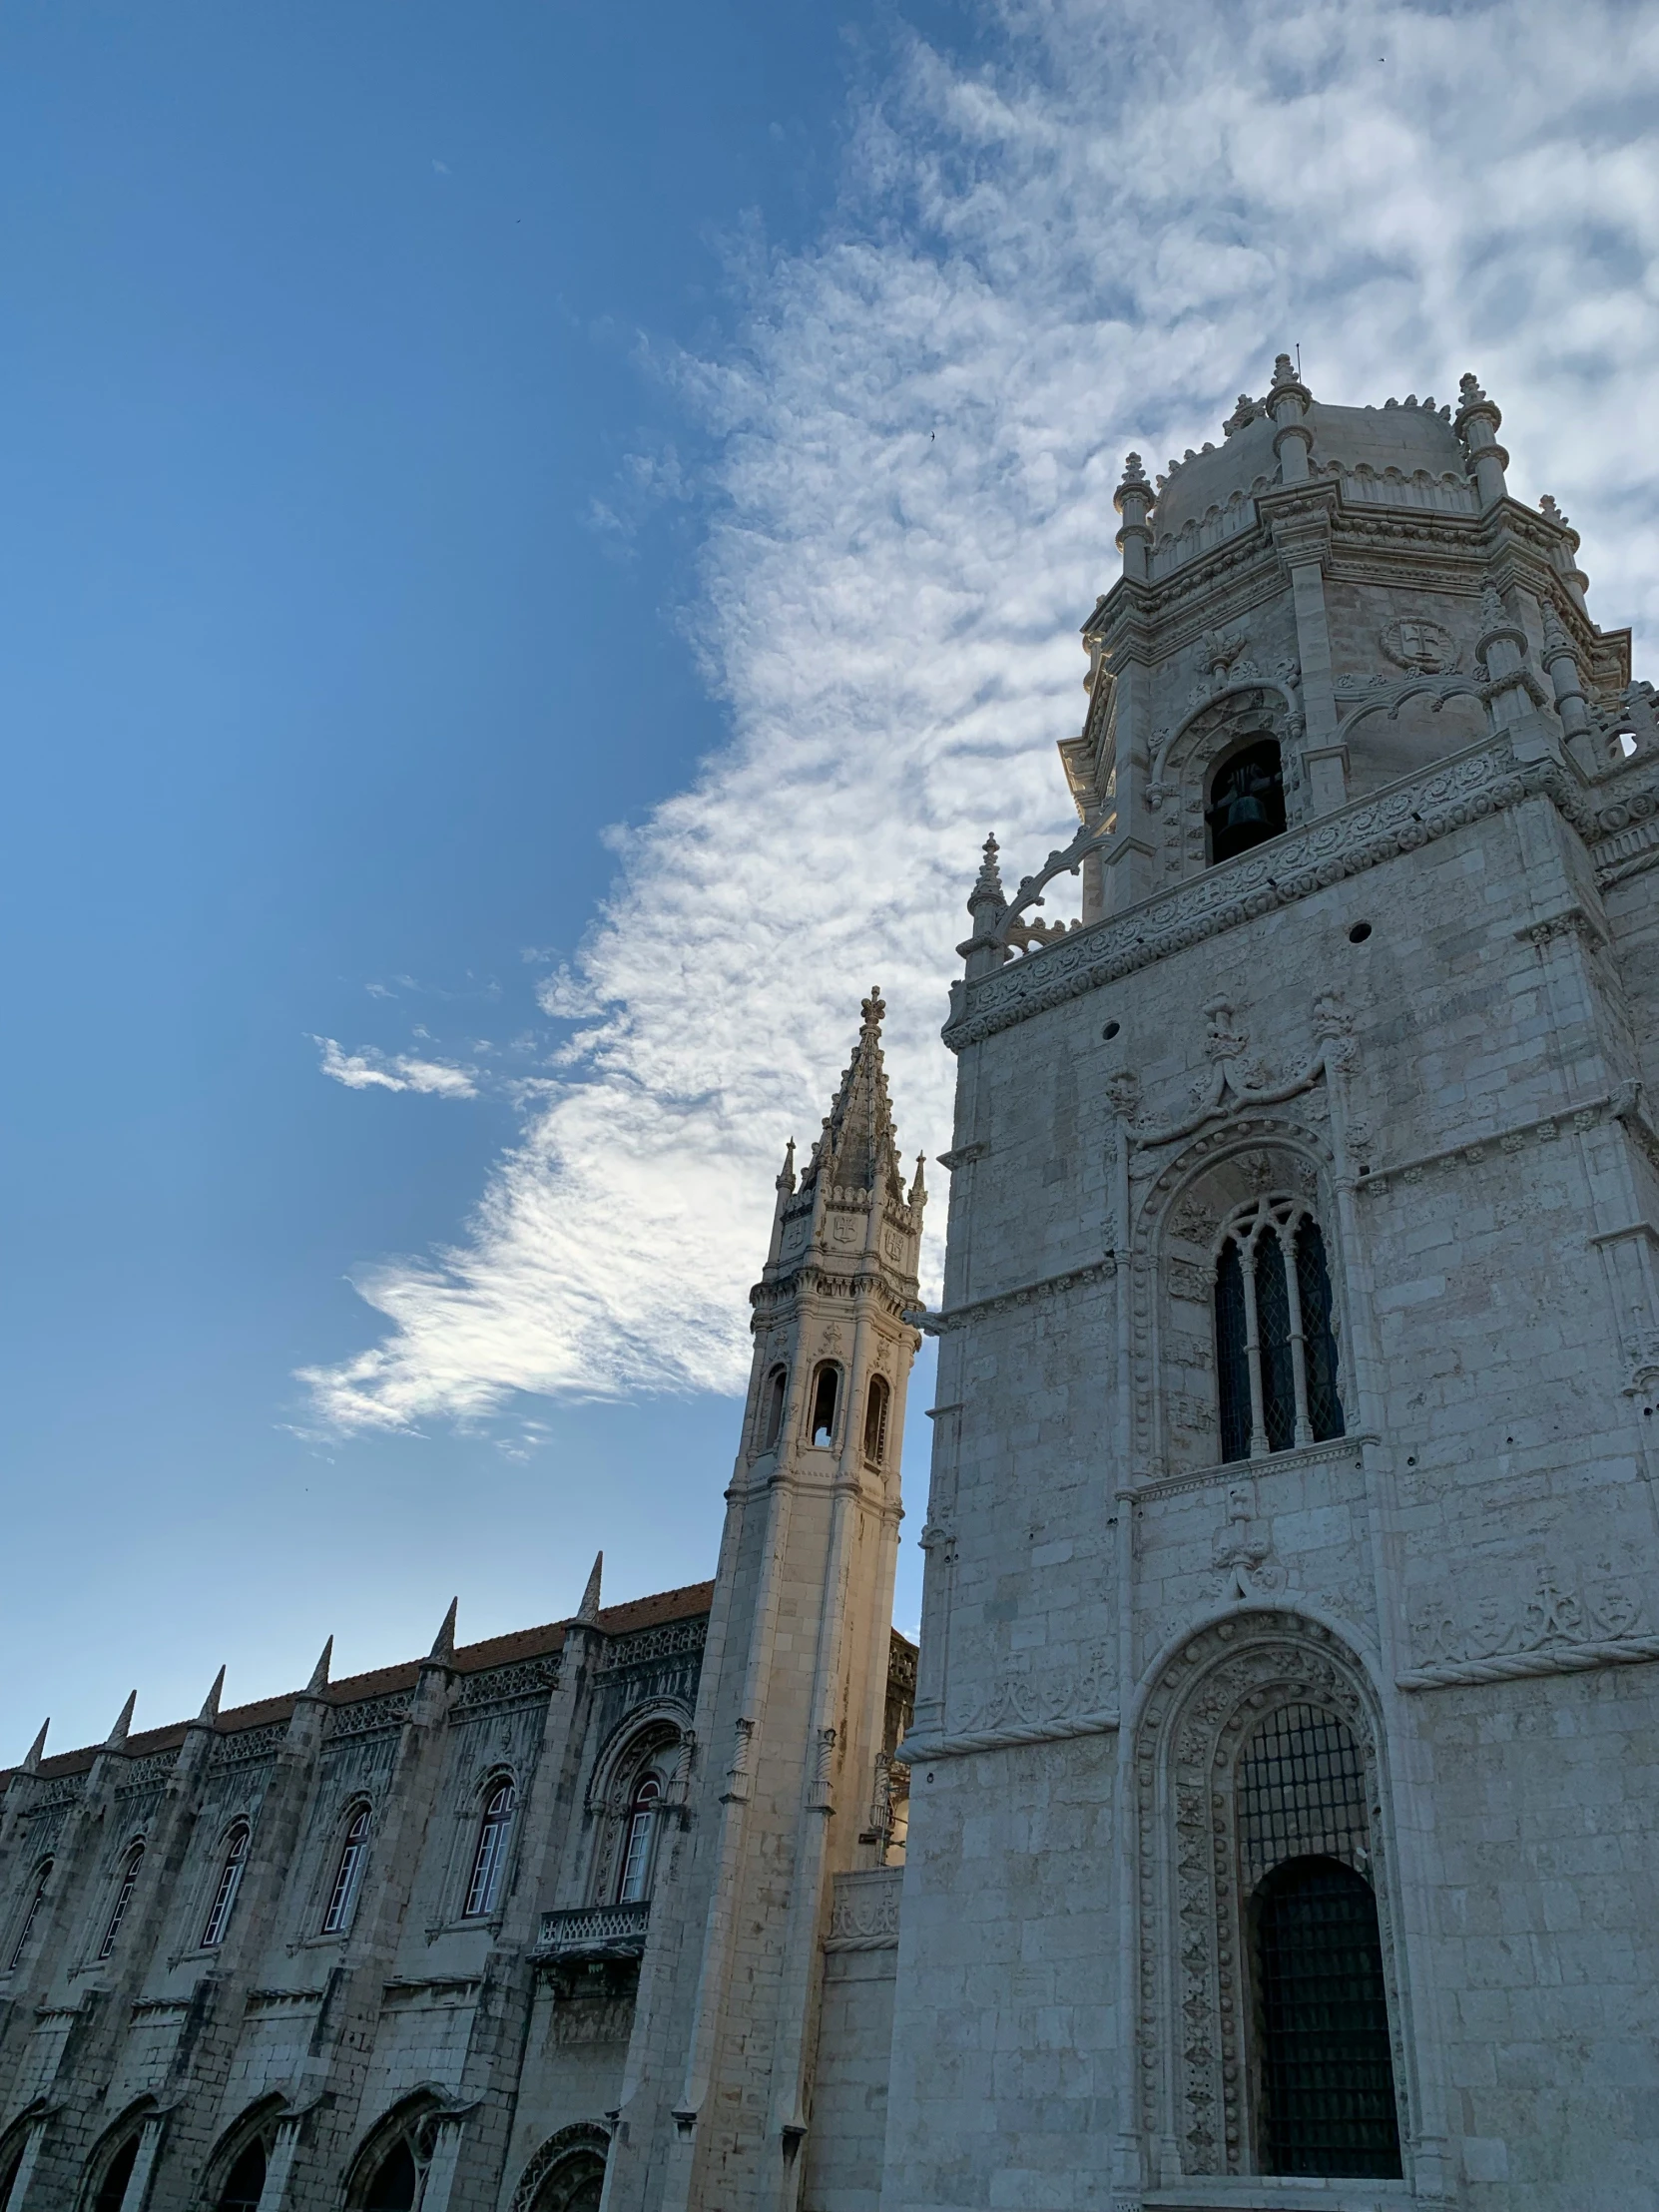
(858, 1150)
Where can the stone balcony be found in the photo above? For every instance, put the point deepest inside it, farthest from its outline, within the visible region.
(594, 1932)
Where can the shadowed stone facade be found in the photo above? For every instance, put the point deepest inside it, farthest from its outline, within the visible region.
(1276, 1825)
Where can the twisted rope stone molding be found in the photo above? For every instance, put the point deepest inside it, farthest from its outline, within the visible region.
(1511, 1666)
(1483, 781)
(919, 1748)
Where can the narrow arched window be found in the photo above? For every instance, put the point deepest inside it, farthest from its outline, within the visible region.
(1247, 800)
(123, 1898)
(491, 1853)
(230, 1878)
(633, 1886)
(245, 2183)
(112, 2189)
(349, 1874)
(875, 1421)
(1276, 1345)
(42, 1878)
(772, 1417)
(826, 1392)
(397, 2181)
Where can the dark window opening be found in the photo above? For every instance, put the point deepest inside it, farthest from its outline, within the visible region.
(1232, 1355)
(28, 1928)
(396, 2179)
(575, 2184)
(1313, 1278)
(772, 1421)
(123, 1898)
(875, 1421)
(1326, 2074)
(246, 2182)
(1247, 800)
(825, 1389)
(116, 2174)
(1273, 1329)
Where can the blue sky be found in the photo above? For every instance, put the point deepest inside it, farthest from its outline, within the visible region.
(534, 543)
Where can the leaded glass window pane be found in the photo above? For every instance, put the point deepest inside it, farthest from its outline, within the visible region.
(1232, 1358)
(1273, 1331)
(1325, 2074)
(1313, 1278)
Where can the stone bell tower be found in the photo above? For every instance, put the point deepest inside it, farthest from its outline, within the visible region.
(715, 2109)
(1286, 1759)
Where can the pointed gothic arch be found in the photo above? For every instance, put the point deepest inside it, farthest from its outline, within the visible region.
(566, 2174)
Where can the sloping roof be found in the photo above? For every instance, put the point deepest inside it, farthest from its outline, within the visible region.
(686, 1603)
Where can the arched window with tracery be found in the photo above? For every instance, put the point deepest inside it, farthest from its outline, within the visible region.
(875, 1419)
(489, 1856)
(112, 2183)
(826, 1385)
(639, 1842)
(123, 1898)
(1275, 1344)
(26, 1928)
(771, 1409)
(1321, 2057)
(1247, 800)
(225, 1891)
(348, 1873)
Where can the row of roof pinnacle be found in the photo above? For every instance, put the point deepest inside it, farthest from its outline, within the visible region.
(441, 1654)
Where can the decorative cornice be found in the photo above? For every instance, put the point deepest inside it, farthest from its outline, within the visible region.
(1047, 1286)
(1485, 780)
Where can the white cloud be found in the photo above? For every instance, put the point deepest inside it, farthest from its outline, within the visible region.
(403, 1071)
(1091, 242)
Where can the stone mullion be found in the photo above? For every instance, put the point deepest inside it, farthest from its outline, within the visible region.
(1298, 1350)
(1253, 1352)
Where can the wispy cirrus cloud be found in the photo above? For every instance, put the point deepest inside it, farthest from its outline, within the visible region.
(1090, 241)
(369, 1070)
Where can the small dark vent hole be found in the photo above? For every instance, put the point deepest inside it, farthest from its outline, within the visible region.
(1359, 932)
(1111, 1029)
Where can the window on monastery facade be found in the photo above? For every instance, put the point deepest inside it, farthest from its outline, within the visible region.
(229, 1879)
(244, 2184)
(36, 1901)
(123, 1898)
(826, 1392)
(394, 2183)
(489, 1859)
(1247, 800)
(1321, 2063)
(1276, 1345)
(771, 1415)
(112, 2187)
(639, 1844)
(349, 1874)
(875, 1421)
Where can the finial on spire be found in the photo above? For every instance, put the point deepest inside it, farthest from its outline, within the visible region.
(443, 1643)
(588, 1610)
(123, 1723)
(872, 1009)
(319, 1673)
(918, 1187)
(1470, 393)
(32, 1757)
(1284, 371)
(785, 1173)
(989, 882)
(1134, 469)
(210, 1704)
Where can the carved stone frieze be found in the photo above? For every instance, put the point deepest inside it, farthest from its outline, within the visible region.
(863, 1913)
(1563, 1624)
(526, 1678)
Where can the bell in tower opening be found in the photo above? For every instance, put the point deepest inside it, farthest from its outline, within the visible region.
(1247, 800)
